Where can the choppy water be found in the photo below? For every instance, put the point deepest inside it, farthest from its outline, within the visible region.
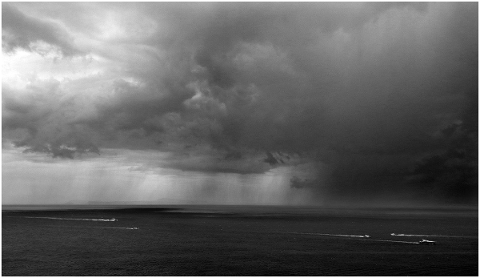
(237, 240)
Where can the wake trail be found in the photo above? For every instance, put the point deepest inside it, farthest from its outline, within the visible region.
(362, 237)
(334, 235)
(413, 235)
(75, 219)
(120, 228)
(397, 241)
(92, 227)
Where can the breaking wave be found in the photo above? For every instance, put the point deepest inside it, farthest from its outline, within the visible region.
(76, 219)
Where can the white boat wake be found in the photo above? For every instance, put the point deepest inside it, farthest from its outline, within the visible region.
(413, 235)
(121, 228)
(368, 238)
(335, 235)
(76, 219)
(397, 241)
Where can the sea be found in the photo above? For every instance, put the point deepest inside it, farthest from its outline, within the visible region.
(219, 240)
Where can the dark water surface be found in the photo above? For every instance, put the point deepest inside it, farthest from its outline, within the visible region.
(237, 240)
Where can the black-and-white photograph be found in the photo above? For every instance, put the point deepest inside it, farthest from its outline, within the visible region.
(239, 139)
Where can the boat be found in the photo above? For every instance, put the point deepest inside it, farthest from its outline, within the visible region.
(427, 242)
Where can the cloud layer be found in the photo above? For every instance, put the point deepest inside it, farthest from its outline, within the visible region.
(368, 92)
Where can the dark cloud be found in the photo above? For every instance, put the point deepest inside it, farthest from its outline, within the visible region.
(20, 30)
(62, 151)
(298, 183)
(368, 89)
(451, 174)
(49, 118)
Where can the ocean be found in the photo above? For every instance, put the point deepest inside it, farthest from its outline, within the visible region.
(237, 240)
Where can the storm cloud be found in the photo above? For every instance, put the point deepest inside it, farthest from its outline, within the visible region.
(358, 100)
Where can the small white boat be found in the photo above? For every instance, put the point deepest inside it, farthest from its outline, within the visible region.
(427, 242)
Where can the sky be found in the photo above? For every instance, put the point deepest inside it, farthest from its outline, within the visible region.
(240, 103)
